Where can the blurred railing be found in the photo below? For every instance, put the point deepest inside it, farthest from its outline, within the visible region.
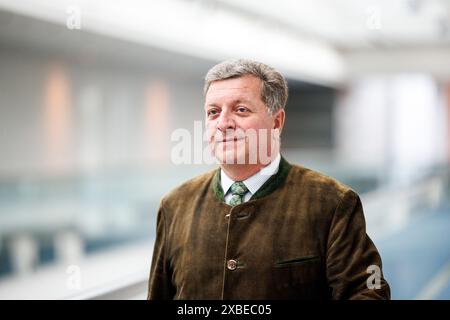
(122, 272)
(389, 209)
(133, 287)
(386, 211)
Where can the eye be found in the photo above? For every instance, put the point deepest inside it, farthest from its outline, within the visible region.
(242, 109)
(211, 112)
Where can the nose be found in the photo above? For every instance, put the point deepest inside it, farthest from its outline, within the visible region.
(225, 122)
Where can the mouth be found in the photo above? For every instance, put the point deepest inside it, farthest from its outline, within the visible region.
(230, 139)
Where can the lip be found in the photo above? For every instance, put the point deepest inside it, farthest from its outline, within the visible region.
(230, 140)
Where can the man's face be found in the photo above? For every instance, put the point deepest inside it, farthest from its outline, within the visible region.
(238, 124)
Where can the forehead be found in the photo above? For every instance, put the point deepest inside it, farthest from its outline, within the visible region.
(234, 88)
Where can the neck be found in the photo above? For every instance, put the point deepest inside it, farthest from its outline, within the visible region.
(241, 172)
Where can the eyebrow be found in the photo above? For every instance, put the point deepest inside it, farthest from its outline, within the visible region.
(241, 101)
(236, 101)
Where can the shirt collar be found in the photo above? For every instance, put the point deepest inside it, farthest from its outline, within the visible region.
(254, 182)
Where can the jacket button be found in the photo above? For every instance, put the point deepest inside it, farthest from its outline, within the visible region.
(231, 264)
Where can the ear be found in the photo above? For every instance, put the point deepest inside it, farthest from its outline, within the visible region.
(278, 120)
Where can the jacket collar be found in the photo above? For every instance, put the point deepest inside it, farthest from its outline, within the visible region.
(256, 181)
(268, 187)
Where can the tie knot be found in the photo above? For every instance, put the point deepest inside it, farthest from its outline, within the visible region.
(238, 188)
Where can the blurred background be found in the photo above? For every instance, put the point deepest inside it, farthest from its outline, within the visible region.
(91, 92)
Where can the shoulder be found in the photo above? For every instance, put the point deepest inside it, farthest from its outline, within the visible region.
(321, 196)
(189, 189)
(316, 184)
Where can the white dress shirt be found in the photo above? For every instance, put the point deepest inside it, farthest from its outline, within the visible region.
(252, 183)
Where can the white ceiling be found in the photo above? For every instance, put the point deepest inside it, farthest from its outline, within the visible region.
(357, 24)
(306, 39)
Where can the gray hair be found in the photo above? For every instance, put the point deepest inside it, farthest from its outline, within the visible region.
(274, 91)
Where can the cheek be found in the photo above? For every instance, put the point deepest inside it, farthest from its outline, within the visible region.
(255, 124)
(210, 130)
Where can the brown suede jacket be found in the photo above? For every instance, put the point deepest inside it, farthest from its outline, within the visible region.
(301, 236)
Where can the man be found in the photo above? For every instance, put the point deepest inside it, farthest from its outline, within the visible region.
(259, 227)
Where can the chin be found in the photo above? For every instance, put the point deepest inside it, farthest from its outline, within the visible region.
(231, 157)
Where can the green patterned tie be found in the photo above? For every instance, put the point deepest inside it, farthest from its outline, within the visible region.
(238, 190)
